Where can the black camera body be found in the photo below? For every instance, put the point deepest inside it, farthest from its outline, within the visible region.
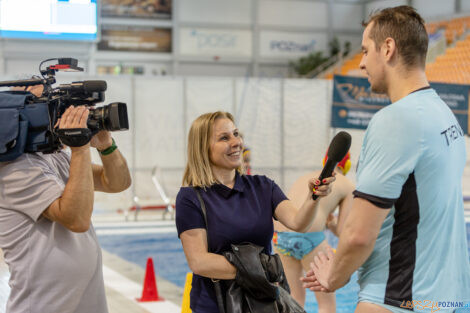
(28, 121)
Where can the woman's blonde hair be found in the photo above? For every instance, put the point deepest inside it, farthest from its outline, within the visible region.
(198, 171)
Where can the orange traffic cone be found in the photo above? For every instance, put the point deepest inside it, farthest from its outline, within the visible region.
(150, 291)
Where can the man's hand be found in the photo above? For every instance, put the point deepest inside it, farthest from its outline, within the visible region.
(74, 117)
(310, 281)
(101, 140)
(317, 278)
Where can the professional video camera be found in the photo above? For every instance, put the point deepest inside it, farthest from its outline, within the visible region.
(28, 121)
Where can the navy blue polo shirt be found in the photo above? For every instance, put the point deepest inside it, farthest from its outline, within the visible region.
(235, 215)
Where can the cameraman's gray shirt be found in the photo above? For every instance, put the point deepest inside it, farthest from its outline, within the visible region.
(52, 269)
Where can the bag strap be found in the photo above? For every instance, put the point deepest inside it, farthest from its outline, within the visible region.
(218, 290)
(203, 209)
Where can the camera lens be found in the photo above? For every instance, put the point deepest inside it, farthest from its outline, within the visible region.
(111, 117)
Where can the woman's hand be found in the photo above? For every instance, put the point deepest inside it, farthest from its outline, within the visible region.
(321, 188)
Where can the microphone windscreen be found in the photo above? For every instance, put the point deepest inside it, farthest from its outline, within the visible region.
(94, 86)
(339, 146)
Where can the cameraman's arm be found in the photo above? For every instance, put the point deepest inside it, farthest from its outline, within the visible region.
(73, 209)
(114, 175)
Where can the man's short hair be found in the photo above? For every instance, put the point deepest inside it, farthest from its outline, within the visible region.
(406, 27)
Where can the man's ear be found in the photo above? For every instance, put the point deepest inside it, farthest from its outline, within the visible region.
(389, 48)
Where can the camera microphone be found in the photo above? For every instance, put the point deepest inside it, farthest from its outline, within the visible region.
(338, 148)
(86, 86)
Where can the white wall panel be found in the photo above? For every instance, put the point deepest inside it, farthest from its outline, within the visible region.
(159, 128)
(347, 16)
(382, 4)
(208, 95)
(214, 69)
(258, 116)
(307, 105)
(291, 45)
(215, 11)
(215, 42)
(22, 68)
(293, 13)
(429, 9)
(169, 179)
(291, 176)
(273, 71)
(465, 5)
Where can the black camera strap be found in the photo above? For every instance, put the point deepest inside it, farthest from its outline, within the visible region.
(74, 137)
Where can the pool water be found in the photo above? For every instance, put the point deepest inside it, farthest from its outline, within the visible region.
(170, 262)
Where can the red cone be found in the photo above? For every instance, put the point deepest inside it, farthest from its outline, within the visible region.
(150, 291)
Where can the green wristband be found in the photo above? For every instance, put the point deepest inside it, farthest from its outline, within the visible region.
(109, 150)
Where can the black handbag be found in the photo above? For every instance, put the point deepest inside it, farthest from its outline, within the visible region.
(218, 289)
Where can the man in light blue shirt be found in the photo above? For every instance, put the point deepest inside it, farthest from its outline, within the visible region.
(406, 230)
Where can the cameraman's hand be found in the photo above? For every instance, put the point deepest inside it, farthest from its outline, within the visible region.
(74, 117)
(102, 140)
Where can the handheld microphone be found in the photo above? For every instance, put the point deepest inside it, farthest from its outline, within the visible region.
(337, 150)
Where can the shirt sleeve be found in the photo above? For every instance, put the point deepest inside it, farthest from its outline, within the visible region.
(30, 190)
(389, 155)
(188, 212)
(277, 196)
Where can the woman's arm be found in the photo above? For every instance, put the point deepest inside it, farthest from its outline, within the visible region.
(300, 220)
(200, 261)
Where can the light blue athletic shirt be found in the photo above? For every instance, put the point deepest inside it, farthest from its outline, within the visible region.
(412, 161)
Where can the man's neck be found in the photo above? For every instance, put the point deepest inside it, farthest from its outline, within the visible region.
(405, 83)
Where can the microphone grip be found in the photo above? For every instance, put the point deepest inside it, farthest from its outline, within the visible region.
(326, 172)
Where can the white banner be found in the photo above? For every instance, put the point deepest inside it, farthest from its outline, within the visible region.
(291, 45)
(205, 41)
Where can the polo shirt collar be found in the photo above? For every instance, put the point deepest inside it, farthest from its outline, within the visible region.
(225, 191)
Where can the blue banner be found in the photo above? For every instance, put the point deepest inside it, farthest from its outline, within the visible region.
(354, 103)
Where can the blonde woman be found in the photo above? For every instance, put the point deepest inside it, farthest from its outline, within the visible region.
(239, 207)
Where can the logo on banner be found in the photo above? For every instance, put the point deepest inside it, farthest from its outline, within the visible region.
(211, 40)
(291, 46)
(361, 94)
(354, 104)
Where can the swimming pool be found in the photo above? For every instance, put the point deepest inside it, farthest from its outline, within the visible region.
(170, 262)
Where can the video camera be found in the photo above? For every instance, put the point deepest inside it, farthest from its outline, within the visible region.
(28, 121)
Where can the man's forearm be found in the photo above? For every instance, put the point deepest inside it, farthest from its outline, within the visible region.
(115, 176)
(74, 208)
(350, 255)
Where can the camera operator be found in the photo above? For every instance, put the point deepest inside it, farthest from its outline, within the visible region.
(46, 202)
